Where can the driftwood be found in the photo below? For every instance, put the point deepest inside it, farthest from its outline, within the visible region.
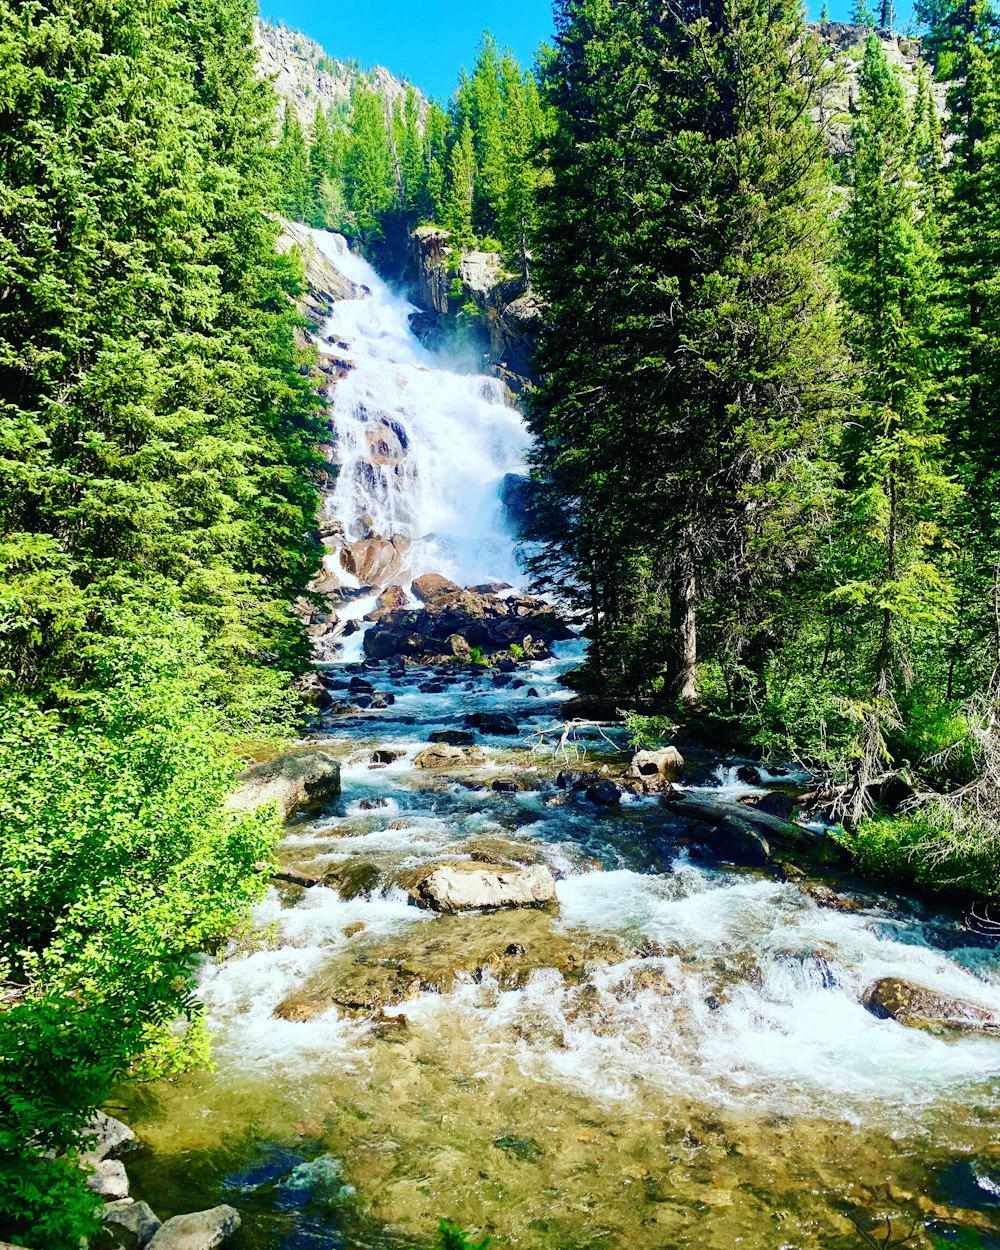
(710, 812)
(567, 746)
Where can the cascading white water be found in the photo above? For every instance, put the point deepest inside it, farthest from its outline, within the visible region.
(422, 449)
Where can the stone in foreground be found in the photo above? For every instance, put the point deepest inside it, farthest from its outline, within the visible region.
(294, 782)
(930, 1010)
(109, 1180)
(202, 1231)
(135, 1218)
(113, 1138)
(472, 887)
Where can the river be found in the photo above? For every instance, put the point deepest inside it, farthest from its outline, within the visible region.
(675, 1056)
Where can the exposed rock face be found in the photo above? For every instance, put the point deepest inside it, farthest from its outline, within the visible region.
(470, 887)
(325, 285)
(436, 591)
(930, 1010)
(736, 842)
(509, 311)
(202, 1231)
(294, 782)
(305, 77)
(374, 561)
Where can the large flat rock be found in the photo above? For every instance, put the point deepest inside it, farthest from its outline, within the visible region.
(471, 887)
(204, 1230)
(294, 782)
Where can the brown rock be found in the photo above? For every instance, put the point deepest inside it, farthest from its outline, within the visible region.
(930, 1010)
(441, 755)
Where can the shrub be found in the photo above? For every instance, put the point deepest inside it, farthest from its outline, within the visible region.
(119, 862)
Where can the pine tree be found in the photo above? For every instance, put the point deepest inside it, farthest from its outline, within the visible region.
(692, 344)
(292, 157)
(369, 174)
(898, 491)
(461, 191)
(964, 42)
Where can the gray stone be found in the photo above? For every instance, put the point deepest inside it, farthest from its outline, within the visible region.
(297, 781)
(109, 1180)
(114, 1138)
(134, 1217)
(204, 1230)
(930, 1010)
(470, 887)
(441, 755)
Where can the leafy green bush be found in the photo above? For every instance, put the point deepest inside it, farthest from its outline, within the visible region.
(119, 862)
(920, 848)
(647, 733)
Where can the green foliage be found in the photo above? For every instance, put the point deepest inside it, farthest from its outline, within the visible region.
(120, 862)
(477, 657)
(517, 651)
(452, 1237)
(897, 850)
(647, 733)
(692, 351)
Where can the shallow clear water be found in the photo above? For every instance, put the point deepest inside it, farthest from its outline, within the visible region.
(675, 1056)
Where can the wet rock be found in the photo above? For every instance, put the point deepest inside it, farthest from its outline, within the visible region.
(435, 590)
(295, 876)
(382, 700)
(490, 588)
(570, 779)
(203, 1230)
(468, 887)
(776, 804)
(313, 692)
(453, 737)
(605, 794)
(385, 755)
(493, 724)
(519, 497)
(374, 561)
(667, 763)
(355, 879)
(134, 1218)
(113, 1138)
(749, 774)
(360, 685)
(823, 896)
(108, 1180)
(298, 781)
(930, 1010)
(735, 842)
(441, 755)
(392, 599)
(459, 647)
(508, 785)
(524, 1148)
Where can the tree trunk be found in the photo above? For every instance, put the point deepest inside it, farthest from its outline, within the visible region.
(685, 608)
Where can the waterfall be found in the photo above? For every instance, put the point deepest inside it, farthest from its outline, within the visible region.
(421, 449)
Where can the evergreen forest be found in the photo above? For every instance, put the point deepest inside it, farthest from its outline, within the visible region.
(765, 459)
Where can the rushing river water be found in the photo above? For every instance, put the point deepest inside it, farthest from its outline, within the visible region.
(676, 1056)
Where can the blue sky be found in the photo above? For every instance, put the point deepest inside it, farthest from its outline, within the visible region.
(428, 43)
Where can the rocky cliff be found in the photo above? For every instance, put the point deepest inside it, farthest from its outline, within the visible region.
(305, 76)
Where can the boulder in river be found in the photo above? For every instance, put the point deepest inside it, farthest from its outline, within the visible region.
(494, 724)
(736, 842)
(775, 803)
(435, 590)
(920, 1008)
(294, 782)
(441, 755)
(453, 737)
(112, 1138)
(605, 794)
(204, 1230)
(714, 812)
(667, 763)
(470, 887)
(135, 1218)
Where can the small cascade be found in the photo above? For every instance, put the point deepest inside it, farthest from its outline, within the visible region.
(421, 449)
